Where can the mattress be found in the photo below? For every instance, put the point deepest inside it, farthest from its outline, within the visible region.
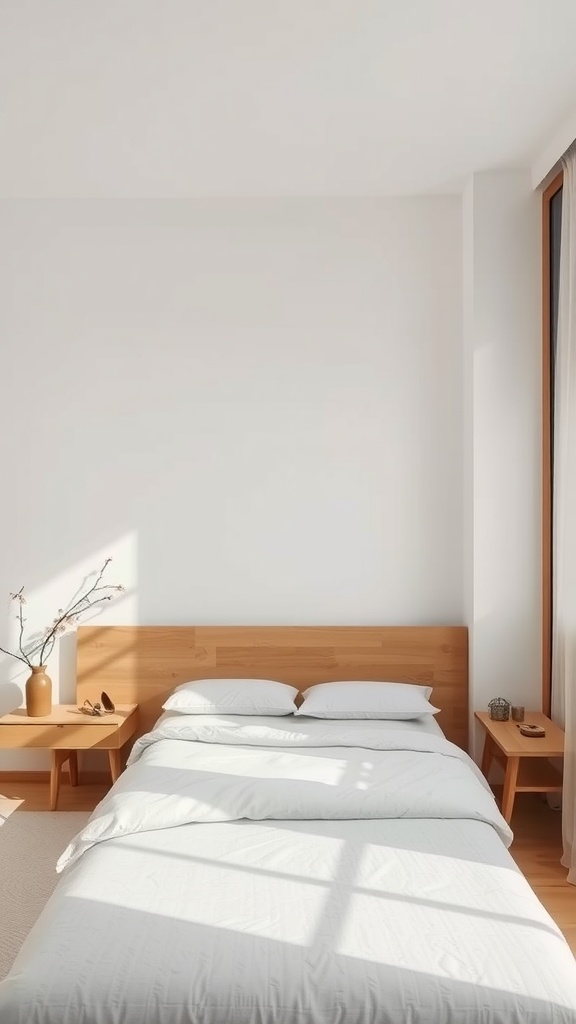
(225, 879)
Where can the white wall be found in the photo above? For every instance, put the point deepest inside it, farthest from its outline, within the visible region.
(256, 406)
(502, 481)
(548, 161)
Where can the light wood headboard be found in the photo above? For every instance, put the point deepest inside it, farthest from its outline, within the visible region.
(142, 664)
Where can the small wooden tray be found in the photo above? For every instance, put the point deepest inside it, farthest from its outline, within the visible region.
(532, 730)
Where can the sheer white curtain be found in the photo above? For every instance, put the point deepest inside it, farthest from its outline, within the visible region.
(564, 513)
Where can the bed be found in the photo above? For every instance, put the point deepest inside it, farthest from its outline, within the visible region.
(294, 870)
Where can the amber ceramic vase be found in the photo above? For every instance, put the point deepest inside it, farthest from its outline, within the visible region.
(38, 693)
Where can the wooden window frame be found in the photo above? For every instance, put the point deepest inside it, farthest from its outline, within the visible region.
(547, 195)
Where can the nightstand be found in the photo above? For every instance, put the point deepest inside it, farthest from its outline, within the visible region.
(65, 731)
(525, 759)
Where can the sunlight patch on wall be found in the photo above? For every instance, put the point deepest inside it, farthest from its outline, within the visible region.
(42, 606)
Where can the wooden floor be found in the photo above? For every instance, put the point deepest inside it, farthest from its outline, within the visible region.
(536, 848)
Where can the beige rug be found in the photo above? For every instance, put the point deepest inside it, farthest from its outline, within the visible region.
(30, 844)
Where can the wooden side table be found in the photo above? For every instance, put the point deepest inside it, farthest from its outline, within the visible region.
(525, 759)
(65, 731)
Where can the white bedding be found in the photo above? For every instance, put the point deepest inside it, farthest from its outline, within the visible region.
(400, 906)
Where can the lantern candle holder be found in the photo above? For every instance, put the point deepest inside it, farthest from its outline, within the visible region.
(499, 709)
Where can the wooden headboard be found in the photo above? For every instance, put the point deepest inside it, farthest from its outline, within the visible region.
(143, 664)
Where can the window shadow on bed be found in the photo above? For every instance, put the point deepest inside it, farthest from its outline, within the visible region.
(342, 887)
(342, 786)
(89, 958)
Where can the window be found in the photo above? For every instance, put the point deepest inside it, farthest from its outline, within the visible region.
(551, 234)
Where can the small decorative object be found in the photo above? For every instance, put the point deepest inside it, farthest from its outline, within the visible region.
(532, 730)
(35, 651)
(517, 713)
(499, 709)
(107, 707)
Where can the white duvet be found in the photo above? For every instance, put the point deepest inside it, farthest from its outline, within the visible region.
(196, 769)
(340, 873)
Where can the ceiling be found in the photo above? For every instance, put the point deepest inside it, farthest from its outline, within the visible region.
(277, 97)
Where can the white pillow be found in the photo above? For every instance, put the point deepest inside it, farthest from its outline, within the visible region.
(350, 699)
(232, 697)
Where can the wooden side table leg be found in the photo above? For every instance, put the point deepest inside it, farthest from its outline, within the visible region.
(115, 758)
(487, 755)
(73, 767)
(58, 759)
(509, 793)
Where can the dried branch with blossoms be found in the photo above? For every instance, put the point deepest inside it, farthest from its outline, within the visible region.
(38, 648)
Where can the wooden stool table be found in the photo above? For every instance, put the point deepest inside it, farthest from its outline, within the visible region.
(525, 758)
(65, 731)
